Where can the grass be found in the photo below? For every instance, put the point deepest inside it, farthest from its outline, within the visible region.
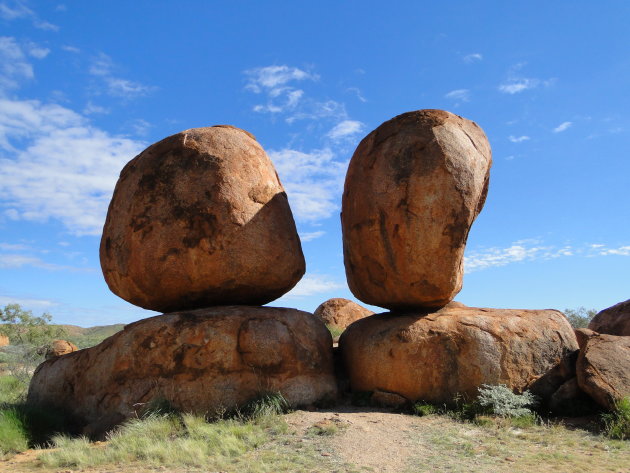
(334, 330)
(617, 422)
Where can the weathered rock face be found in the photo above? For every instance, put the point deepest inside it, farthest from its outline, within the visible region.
(434, 356)
(200, 361)
(613, 321)
(60, 348)
(603, 368)
(413, 189)
(199, 219)
(4, 340)
(339, 312)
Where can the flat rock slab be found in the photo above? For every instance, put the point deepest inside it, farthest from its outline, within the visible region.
(603, 367)
(413, 189)
(436, 356)
(200, 219)
(200, 361)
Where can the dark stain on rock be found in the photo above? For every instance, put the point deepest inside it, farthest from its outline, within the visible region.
(389, 251)
(459, 227)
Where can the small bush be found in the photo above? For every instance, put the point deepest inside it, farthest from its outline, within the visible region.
(501, 401)
(422, 409)
(617, 422)
(580, 317)
(13, 432)
(266, 404)
(334, 330)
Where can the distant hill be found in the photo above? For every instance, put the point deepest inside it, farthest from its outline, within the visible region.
(90, 336)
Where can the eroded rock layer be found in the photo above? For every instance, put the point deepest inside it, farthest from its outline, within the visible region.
(435, 356)
(199, 361)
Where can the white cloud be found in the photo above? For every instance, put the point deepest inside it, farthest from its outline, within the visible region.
(315, 110)
(65, 168)
(269, 78)
(25, 302)
(13, 247)
(309, 236)
(36, 51)
(16, 9)
(518, 139)
(515, 86)
(313, 181)
(357, 92)
(310, 285)
(602, 250)
(345, 129)
(13, 64)
(71, 49)
(462, 95)
(562, 127)
(91, 109)
(103, 67)
(474, 57)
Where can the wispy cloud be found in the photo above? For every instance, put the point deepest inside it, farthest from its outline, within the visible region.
(357, 92)
(459, 95)
(14, 261)
(517, 83)
(274, 82)
(309, 236)
(518, 139)
(27, 302)
(313, 181)
(14, 67)
(345, 129)
(311, 285)
(104, 68)
(531, 250)
(63, 168)
(16, 9)
(474, 57)
(562, 127)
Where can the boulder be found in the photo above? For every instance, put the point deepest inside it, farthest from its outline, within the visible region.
(200, 361)
(340, 313)
(200, 219)
(434, 356)
(603, 368)
(413, 189)
(613, 321)
(4, 340)
(60, 348)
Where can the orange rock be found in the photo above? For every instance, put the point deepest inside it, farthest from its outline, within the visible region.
(199, 219)
(200, 361)
(603, 367)
(4, 340)
(339, 312)
(613, 321)
(413, 189)
(434, 356)
(60, 348)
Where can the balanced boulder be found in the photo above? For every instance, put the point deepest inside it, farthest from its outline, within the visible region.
(202, 361)
(199, 219)
(413, 189)
(435, 356)
(603, 367)
(613, 321)
(340, 313)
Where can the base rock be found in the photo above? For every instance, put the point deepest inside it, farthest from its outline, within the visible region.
(199, 361)
(603, 367)
(437, 355)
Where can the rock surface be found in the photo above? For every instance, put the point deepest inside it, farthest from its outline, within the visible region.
(60, 348)
(4, 340)
(613, 321)
(413, 189)
(200, 219)
(435, 356)
(200, 361)
(603, 368)
(340, 313)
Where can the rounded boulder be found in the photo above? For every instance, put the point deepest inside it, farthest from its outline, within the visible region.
(340, 313)
(200, 219)
(203, 361)
(435, 356)
(613, 321)
(413, 189)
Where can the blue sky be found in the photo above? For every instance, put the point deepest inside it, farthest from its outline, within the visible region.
(85, 86)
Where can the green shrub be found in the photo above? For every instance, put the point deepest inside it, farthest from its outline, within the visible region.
(334, 330)
(617, 422)
(11, 390)
(265, 404)
(580, 317)
(501, 401)
(13, 432)
(422, 409)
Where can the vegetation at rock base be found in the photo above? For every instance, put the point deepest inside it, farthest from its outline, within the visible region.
(617, 422)
(580, 317)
